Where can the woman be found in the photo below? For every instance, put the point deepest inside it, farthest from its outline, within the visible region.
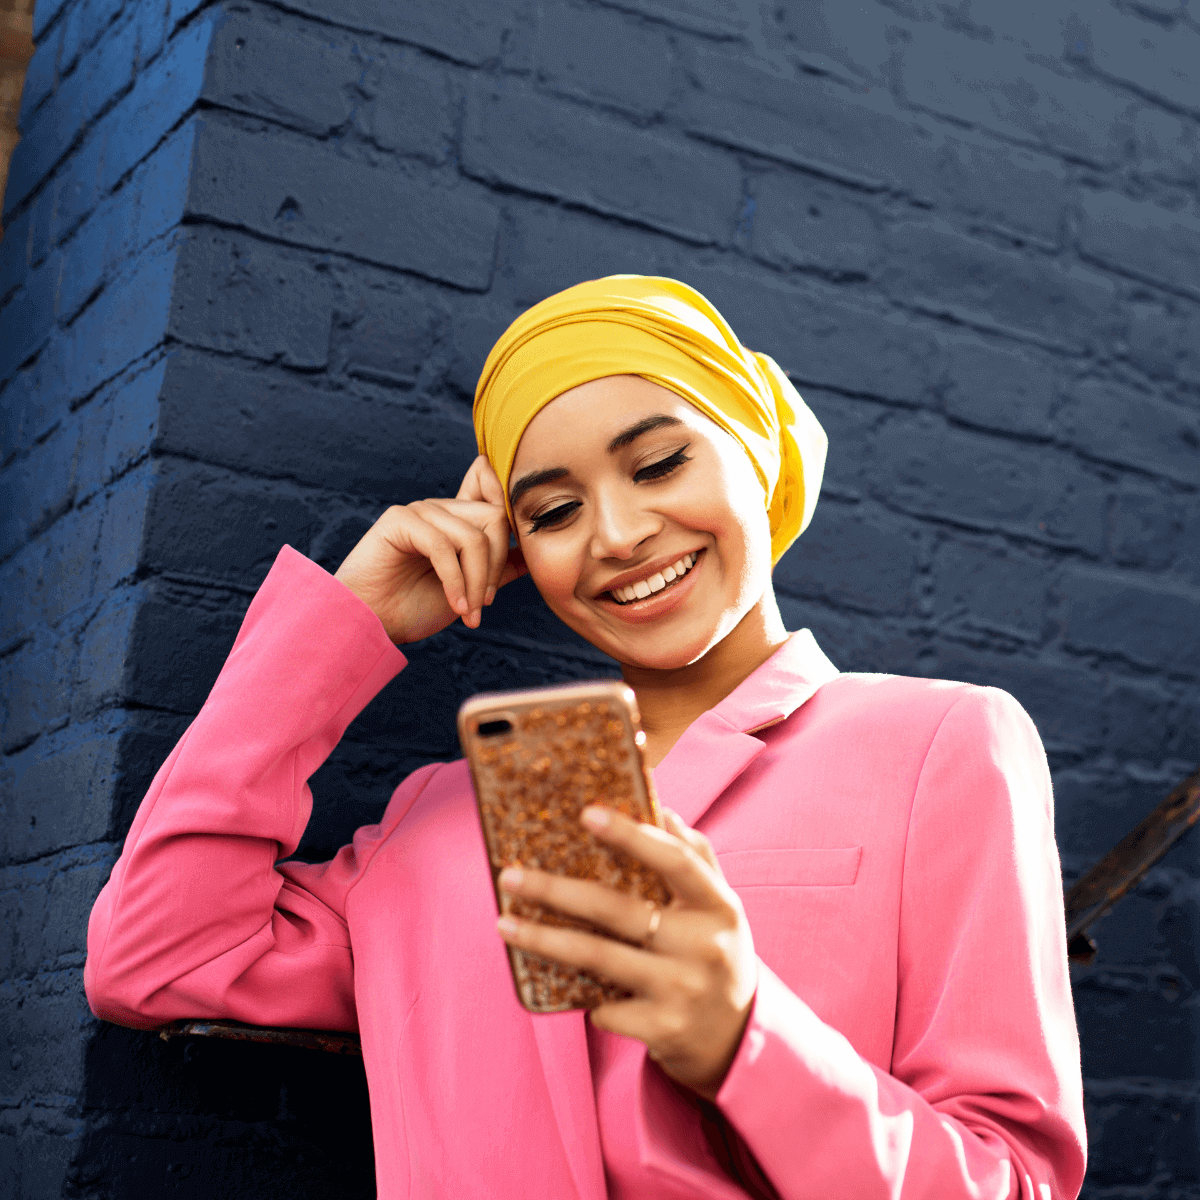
(860, 986)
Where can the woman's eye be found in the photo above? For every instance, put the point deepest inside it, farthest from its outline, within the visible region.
(664, 466)
(555, 516)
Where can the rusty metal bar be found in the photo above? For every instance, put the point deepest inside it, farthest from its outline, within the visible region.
(1126, 864)
(306, 1039)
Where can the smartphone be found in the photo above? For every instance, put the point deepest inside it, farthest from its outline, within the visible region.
(538, 757)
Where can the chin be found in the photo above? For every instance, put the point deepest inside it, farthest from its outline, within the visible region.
(653, 649)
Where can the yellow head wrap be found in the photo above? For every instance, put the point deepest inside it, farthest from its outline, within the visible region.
(668, 333)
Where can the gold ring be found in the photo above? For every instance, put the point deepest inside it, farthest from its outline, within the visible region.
(655, 917)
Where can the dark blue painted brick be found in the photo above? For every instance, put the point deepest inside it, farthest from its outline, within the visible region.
(800, 222)
(1143, 621)
(605, 55)
(409, 106)
(27, 319)
(306, 82)
(126, 322)
(312, 197)
(161, 97)
(38, 488)
(1012, 390)
(98, 15)
(853, 557)
(1143, 239)
(518, 137)
(239, 296)
(991, 590)
(152, 29)
(986, 482)
(40, 76)
(44, 12)
(389, 336)
(14, 255)
(933, 265)
(175, 654)
(463, 30)
(74, 191)
(1146, 527)
(58, 800)
(319, 436)
(83, 269)
(234, 536)
(1117, 423)
(77, 101)
(806, 122)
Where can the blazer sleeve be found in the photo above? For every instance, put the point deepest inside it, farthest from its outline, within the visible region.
(984, 1097)
(197, 919)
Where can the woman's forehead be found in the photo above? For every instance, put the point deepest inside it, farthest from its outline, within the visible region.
(588, 417)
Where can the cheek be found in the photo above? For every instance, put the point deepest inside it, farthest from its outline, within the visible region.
(554, 572)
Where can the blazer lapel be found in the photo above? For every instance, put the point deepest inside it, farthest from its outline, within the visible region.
(719, 745)
(709, 756)
(562, 1045)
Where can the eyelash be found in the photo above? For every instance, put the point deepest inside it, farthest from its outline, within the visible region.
(653, 472)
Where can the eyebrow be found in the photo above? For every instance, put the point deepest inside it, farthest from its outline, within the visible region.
(635, 431)
(534, 479)
(624, 438)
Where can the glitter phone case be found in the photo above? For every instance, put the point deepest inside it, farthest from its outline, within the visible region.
(538, 757)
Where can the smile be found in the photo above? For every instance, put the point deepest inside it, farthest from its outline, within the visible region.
(654, 583)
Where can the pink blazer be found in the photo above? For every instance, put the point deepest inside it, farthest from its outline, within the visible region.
(892, 841)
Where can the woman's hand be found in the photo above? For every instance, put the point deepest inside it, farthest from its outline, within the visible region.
(693, 981)
(423, 564)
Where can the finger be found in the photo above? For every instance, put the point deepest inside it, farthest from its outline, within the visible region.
(626, 916)
(492, 521)
(426, 539)
(689, 877)
(633, 969)
(481, 483)
(515, 566)
(693, 837)
(473, 550)
(497, 531)
(640, 1018)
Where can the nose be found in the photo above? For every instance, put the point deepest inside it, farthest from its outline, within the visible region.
(622, 524)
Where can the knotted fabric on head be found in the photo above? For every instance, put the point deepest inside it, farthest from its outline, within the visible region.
(668, 333)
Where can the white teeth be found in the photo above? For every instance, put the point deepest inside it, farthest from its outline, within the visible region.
(656, 583)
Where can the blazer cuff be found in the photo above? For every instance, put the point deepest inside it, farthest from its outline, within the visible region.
(787, 1050)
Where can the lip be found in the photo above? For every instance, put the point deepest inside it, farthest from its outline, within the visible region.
(645, 570)
(658, 604)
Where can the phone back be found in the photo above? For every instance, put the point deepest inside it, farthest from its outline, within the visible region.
(538, 757)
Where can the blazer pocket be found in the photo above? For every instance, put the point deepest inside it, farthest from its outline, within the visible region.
(791, 868)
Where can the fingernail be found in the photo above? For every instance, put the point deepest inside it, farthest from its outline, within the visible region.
(596, 818)
(460, 605)
(511, 877)
(489, 595)
(506, 925)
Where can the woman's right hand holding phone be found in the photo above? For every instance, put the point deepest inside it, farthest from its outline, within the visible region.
(421, 565)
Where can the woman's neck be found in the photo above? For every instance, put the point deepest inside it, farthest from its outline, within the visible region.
(670, 701)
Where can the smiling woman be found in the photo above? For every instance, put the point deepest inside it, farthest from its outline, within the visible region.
(859, 986)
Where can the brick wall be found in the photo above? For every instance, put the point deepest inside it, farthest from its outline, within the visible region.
(254, 257)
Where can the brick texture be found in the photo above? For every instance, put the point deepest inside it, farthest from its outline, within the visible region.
(255, 254)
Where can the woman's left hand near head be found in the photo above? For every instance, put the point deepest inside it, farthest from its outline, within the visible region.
(692, 982)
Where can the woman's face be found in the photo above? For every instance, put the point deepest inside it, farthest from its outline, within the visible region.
(620, 483)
